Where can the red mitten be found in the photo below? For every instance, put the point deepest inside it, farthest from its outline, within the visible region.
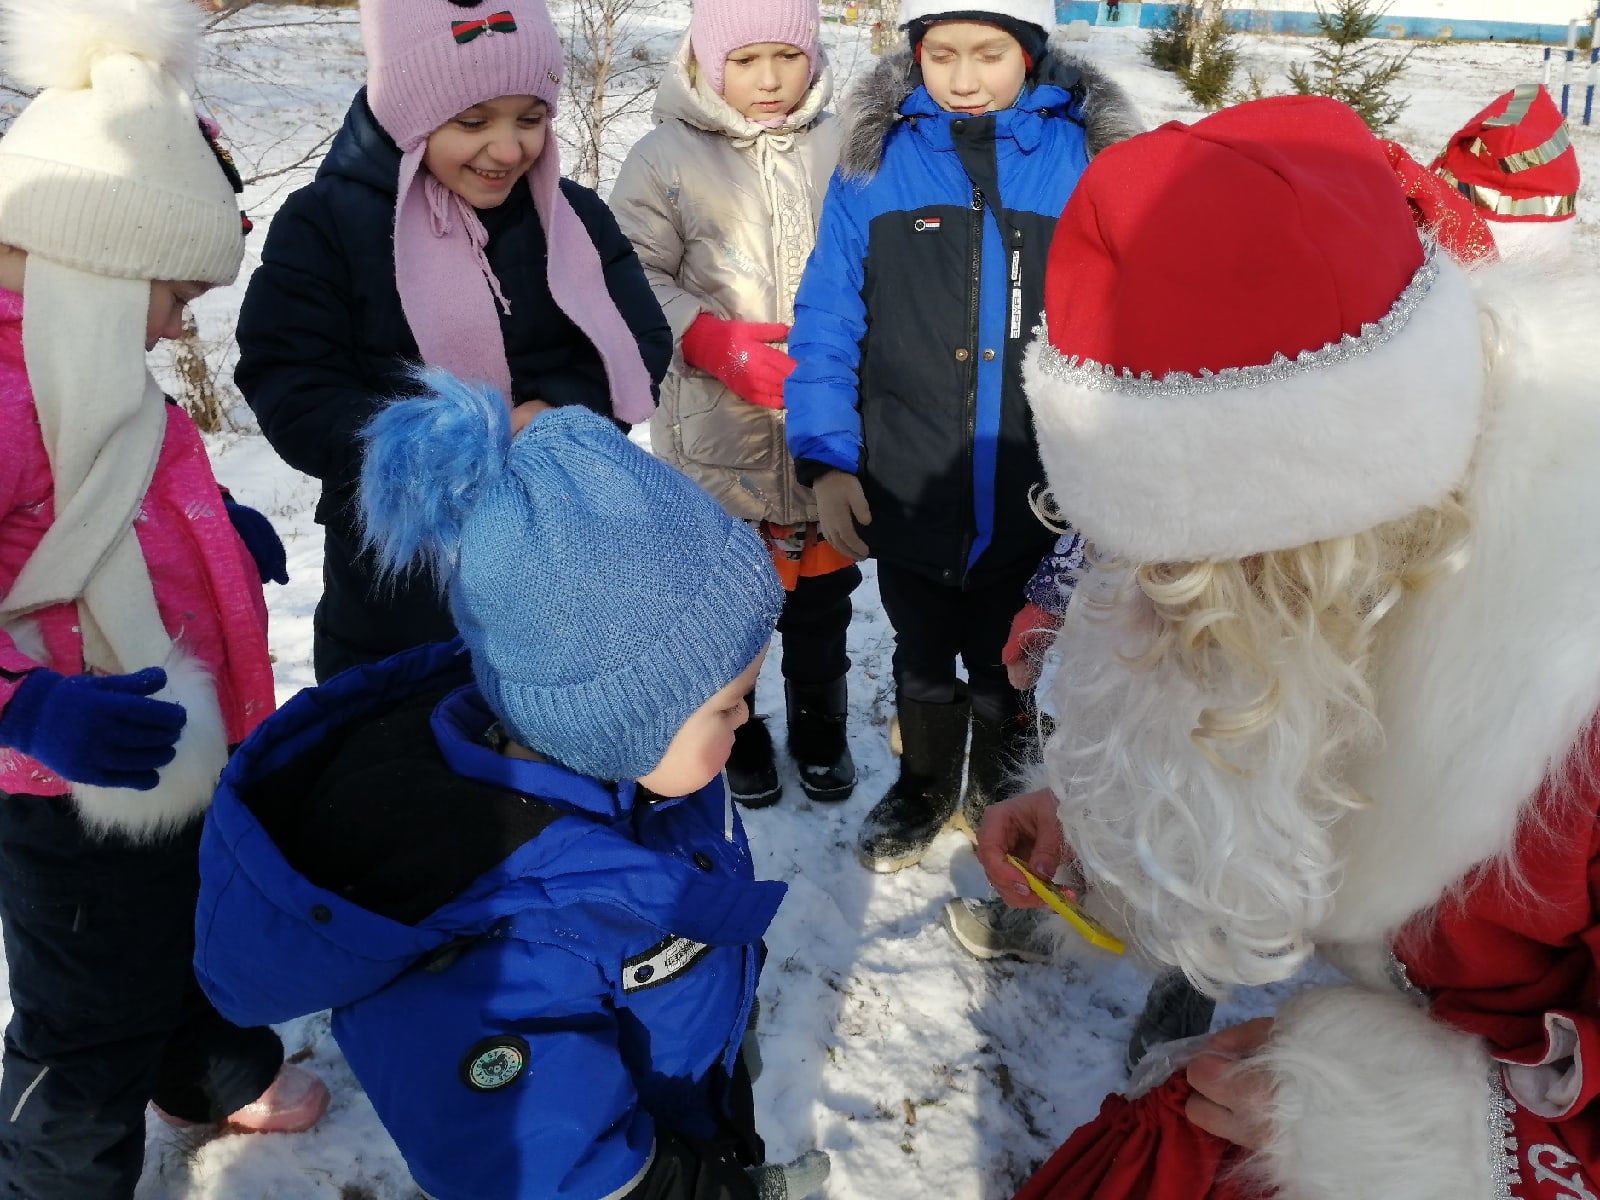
(1144, 1149)
(1032, 630)
(737, 353)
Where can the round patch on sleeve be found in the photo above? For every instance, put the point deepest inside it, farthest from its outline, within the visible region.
(494, 1063)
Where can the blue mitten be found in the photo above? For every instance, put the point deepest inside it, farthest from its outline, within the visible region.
(96, 729)
(258, 536)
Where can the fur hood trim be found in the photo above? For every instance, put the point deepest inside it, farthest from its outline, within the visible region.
(872, 107)
(1489, 676)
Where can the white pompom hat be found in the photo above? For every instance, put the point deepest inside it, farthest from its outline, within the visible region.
(107, 170)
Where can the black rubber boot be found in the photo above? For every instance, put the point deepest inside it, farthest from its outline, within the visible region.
(752, 770)
(817, 739)
(1174, 1009)
(901, 827)
(994, 762)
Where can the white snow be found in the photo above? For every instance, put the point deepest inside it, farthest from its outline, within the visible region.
(915, 1067)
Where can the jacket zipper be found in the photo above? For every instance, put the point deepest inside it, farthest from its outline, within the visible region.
(974, 298)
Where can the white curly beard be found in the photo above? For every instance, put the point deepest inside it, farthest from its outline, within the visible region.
(1218, 873)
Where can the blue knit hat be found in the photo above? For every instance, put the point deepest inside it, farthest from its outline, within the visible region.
(603, 596)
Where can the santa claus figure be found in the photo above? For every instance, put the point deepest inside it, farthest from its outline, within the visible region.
(1515, 163)
(1330, 684)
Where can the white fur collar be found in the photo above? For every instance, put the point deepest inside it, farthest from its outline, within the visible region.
(1487, 678)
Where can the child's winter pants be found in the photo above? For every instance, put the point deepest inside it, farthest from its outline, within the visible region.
(99, 938)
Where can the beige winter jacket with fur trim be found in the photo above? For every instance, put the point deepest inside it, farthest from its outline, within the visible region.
(723, 213)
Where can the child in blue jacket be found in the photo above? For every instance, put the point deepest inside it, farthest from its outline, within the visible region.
(906, 414)
(509, 863)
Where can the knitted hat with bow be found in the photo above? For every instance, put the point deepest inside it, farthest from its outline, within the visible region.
(429, 60)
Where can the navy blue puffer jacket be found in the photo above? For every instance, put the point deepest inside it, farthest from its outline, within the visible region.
(323, 342)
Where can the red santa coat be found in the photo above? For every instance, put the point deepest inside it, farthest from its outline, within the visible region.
(1462, 1061)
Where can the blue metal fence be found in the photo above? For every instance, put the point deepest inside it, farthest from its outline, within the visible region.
(1268, 20)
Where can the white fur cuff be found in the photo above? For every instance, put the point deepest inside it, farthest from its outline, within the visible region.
(1374, 1098)
(187, 782)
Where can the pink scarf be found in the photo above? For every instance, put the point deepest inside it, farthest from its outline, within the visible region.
(450, 294)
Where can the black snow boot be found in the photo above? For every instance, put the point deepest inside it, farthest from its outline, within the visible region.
(1174, 1009)
(901, 827)
(998, 754)
(817, 739)
(752, 770)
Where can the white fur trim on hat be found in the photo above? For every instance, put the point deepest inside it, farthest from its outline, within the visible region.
(1218, 467)
(1036, 12)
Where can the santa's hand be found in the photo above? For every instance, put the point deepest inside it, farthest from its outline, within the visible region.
(1230, 1097)
(1028, 827)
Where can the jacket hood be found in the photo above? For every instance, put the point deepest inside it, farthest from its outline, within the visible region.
(874, 105)
(362, 151)
(271, 945)
(685, 96)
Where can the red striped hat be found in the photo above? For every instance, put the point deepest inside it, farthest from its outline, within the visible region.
(1516, 163)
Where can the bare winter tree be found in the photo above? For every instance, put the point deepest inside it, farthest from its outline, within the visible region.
(613, 67)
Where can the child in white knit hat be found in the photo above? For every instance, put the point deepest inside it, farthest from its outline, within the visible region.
(721, 201)
(133, 646)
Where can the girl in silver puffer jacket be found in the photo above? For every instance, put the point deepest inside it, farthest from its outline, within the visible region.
(721, 200)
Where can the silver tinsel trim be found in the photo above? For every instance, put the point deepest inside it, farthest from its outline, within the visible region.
(1505, 1172)
(1401, 980)
(1098, 377)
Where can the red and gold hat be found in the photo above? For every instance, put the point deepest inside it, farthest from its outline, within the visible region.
(1515, 162)
(1248, 346)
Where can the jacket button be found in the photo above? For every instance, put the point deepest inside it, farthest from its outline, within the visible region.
(963, 354)
(321, 914)
(702, 860)
(988, 356)
(958, 126)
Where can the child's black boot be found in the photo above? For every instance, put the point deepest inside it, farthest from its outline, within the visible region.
(901, 827)
(752, 770)
(817, 739)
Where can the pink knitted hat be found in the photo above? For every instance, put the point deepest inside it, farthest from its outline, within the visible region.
(719, 27)
(427, 61)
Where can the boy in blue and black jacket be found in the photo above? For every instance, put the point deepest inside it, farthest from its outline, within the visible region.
(905, 412)
(510, 867)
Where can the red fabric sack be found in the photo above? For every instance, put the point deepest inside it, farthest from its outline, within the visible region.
(1144, 1149)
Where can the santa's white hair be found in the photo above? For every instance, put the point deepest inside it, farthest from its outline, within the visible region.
(1206, 714)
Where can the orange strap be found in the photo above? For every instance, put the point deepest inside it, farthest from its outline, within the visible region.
(800, 552)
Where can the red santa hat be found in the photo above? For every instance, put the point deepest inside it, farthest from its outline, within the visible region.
(1247, 345)
(1516, 163)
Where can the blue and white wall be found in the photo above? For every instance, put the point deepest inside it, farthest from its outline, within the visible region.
(1481, 20)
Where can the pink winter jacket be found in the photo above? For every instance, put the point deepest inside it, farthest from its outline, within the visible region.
(207, 587)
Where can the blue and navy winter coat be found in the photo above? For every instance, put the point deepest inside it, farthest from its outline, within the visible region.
(919, 300)
(324, 342)
(541, 980)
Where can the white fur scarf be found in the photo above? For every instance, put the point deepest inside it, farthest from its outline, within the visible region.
(103, 419)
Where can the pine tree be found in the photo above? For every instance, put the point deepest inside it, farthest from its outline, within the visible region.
(1348, 66)
(1198, 47)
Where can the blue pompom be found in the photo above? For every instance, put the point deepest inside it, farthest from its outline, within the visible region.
(427, 459)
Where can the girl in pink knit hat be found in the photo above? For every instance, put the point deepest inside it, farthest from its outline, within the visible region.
(438, 230)
(721, 200)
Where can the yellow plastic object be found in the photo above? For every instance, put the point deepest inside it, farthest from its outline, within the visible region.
(1088, 928)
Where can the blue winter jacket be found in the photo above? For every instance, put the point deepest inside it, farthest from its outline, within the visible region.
(563, 1010)
(918, 302)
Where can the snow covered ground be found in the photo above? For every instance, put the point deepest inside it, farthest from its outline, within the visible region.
(917, 1068)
